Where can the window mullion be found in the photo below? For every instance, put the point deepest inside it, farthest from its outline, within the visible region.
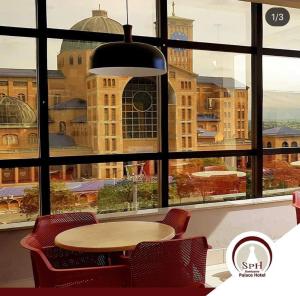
(42, 95)
(257, 101)
(162, 20)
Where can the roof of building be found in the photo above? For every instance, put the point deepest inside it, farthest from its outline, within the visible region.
(75, 103)
(28, 73)
(223, 82)
(14, 111)
(60, 141)
(98, 22)
(80, 119)
(212, 117)
(93, 185)
(175, 17)
(281, 131)
(206, 134)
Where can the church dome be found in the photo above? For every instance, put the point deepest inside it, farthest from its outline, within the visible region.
(14, 111)
(99, 22)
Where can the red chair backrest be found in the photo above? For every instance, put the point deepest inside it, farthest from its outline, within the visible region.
(296, 204)
(47, 227)
(173, 263)
(43, 235)
(178, 219)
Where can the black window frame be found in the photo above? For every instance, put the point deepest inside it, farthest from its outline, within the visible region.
(256, 50)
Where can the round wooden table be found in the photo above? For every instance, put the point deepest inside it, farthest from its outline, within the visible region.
(295, 164)
(207, 174)
(112, 236)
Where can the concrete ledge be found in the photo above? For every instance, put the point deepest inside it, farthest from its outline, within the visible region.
(163, 211)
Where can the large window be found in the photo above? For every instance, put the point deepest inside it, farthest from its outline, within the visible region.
(221, 125)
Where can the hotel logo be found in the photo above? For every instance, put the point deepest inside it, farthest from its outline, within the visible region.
(249, 255)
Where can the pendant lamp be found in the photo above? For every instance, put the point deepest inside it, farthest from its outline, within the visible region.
(128, 58)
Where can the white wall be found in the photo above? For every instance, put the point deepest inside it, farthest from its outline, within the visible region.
(218, 223)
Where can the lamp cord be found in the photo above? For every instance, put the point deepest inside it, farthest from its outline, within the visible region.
(127, 10)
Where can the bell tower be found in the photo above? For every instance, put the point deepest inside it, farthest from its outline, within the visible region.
(180, 29)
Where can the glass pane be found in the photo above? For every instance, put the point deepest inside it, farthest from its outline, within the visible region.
(105, 188)
(18, 99)
(207, 180)
(18, 13)
(227, 21)
(209, 100)
(281, 174)
(107, 17)
(98, 115)
(285, 37)
(19, 194)
(281, 109)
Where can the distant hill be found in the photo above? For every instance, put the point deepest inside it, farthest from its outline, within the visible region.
(281, 106)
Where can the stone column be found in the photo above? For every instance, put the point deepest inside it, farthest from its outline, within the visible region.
(78, 171)
(64, 172)
(17, 175)
(32, 174)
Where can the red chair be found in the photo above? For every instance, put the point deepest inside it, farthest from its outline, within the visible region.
(296, 204)
(173, 263)
(55, 267)
(179, 220)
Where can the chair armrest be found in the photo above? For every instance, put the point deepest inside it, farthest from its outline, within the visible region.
(107, 276)
(296, 199)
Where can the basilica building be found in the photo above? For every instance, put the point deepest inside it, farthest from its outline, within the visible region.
(89, 114)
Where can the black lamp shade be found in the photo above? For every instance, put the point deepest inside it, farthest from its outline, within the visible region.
(132, 59)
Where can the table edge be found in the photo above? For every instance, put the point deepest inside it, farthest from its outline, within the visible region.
(106, 250)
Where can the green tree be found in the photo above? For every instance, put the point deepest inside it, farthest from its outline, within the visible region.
(119, 197)
(62, 199)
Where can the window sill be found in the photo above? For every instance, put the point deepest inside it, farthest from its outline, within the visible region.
(163, 211)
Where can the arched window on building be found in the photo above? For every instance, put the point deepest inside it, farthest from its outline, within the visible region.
(269, 145)
(8, 175)
(71, 60)
(109, 82)
(79, 60)
(113, 100)
(113, 82)
(285, 157)
(10, 139)
(32, 139)
(62, 127)
(106, 103)
(294, 157)
(22, 97)
(183, 102)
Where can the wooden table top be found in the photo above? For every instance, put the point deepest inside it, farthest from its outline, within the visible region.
(112, 236)
(295, 163)
(207, 174)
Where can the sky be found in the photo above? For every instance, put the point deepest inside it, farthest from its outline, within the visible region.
(220, 21)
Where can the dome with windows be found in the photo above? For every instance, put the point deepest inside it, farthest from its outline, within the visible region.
(99, 22)
(14, 111)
